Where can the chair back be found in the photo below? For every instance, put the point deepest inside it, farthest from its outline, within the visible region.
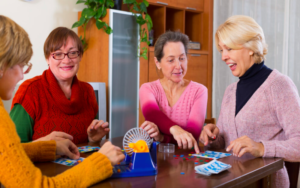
(293, 172)
(212, 120)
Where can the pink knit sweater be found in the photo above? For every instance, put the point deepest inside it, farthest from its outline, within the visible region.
(271, 116)
(188, 112)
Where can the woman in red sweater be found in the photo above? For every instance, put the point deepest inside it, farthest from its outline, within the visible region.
(56, 105)
(17, 169)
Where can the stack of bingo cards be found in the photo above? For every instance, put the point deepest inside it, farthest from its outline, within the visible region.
(213, 167)
(212, 154)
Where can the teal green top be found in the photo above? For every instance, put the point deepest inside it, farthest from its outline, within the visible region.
(23, 122)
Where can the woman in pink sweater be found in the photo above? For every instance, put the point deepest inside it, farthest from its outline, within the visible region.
(259, 113)
(174, 108)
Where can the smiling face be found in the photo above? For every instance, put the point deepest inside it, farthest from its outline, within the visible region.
(174, 62)
(11, 76)
(239, 60)
(65, 69)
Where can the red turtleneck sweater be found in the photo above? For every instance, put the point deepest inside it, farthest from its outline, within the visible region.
(50, 110)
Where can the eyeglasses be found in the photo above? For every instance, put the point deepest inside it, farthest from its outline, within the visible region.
(60, 55)
(27, 68)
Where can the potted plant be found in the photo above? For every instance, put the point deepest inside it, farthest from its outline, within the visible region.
(97, 9)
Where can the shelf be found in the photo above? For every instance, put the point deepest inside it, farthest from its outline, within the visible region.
(158, 16)
(197, 52)
(190, 51)
(193, 27)
(174, 20)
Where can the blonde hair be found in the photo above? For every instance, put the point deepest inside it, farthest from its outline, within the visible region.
(15, 46)
(242, 31)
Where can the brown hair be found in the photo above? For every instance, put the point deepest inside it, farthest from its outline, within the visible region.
(58, 37)
(169, 36)
(15, 46)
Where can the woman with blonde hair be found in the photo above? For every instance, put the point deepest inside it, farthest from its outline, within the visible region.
(259, 113)
(17, 169)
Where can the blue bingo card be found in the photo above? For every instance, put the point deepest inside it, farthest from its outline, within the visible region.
(68, 162)
(213, 167)
(85, 149)
(201, 171)
(212, 154)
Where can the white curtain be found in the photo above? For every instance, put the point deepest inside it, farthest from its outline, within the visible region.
(280, 20)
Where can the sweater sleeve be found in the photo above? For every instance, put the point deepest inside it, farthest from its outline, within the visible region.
(151, 111)
(18, 171)
(284, 100)
(46, 151)
(219, 143)
(23, 122)
(197, 114)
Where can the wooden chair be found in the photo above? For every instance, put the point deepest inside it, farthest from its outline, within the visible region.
(212, 120)
(293, 172)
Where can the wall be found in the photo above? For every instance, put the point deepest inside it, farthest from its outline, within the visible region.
(39, 18)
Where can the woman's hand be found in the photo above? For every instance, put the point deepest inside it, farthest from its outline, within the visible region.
(152, 130)
(67, 148)
(184, 139)
(209, 133)
(55, 135)
(113, 153)
(97, 130)
(244, 145)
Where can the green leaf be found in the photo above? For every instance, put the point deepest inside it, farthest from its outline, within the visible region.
(149, 22)
(144, 53)
(110, 3)
(136, 8)
(146, 3)
(76, 24)
(144, 38)
(88, 13)
(104, 12)
(80, 1)
(108, 30)
(140, 20)
(99, 13)
(79, 23)
(100, 24)
(128, 1)
(100, 1)
(143, 7)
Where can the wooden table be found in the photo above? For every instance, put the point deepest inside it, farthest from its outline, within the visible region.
(246, 171)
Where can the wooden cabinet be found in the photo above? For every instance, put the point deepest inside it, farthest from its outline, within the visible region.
(196, 5)
(191, 4)
(192, 17)
(197, 68)
(164, 2)
(154, 74)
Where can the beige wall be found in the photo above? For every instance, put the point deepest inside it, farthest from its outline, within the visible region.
(39, 18)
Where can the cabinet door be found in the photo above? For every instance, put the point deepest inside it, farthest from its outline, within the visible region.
(153, 73)
(164, 2)
(197, 68)
(191, 4)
